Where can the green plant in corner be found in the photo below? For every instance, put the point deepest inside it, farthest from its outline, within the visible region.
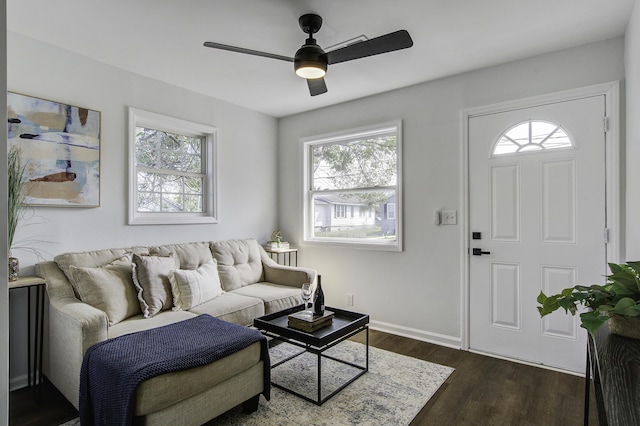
(276, 237)
(619, 296)
(15, 172)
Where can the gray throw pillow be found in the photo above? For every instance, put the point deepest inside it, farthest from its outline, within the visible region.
(151, 279)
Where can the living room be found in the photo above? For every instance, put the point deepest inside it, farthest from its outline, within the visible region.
(418, 292)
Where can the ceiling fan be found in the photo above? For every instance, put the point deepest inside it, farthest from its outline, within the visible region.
(310, 61)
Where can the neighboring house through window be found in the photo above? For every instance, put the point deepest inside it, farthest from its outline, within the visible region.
(351, 180)
(391, 211)
(172, 170)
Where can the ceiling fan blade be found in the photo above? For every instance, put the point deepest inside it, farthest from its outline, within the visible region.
(246, 51)
(317, 86)
(383, 44)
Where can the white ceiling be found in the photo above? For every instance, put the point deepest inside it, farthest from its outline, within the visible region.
(163, 39)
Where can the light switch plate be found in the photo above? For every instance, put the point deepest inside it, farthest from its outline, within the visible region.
(449, 217)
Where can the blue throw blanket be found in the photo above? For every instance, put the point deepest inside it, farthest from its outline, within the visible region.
(113, 369)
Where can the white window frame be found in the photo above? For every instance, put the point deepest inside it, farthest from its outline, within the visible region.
(141, 118)
(307, 211)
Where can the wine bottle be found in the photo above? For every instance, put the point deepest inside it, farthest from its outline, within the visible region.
(318, 299)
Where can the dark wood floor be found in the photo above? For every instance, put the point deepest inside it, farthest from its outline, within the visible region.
(489, 391)
(481, 391)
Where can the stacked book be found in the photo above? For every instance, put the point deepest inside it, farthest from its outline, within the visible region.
(274, 245)
(307, 321)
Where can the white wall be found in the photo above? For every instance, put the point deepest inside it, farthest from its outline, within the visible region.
(4, 289)
(417, 292)
(632, 72)
(247, 149)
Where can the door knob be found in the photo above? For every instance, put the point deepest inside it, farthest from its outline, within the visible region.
(479, 252)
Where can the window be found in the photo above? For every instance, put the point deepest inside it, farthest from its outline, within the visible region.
(171, 170)
(531, 136)
(350, 179)
(391, 210)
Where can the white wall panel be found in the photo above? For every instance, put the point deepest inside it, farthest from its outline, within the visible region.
(632, 137)
(505, 295)
(558, 201)
(505, 203)
(554, 280)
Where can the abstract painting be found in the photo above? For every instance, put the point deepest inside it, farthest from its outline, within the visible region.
(60, 149)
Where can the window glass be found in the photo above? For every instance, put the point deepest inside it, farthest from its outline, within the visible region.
(172, 173)
(352, 178)
(532, 135)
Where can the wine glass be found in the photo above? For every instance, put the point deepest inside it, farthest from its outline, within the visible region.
(306, 291)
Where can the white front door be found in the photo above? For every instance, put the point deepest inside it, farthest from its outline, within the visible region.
(537, 206)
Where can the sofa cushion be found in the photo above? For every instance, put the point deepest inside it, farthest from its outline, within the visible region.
(108, 288)
(93, 259)
(275, 297)
(194, 287)
(167, 389)
(232, 307)
(140, 323)
(239, 262)
(151, 279)
(187, 255)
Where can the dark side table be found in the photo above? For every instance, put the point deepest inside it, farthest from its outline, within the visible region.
(614, 364)
(38, 284)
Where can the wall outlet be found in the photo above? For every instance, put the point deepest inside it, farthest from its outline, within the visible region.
(449, 217)
(349, 299)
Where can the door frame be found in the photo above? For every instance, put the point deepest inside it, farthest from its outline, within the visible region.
(611, 125)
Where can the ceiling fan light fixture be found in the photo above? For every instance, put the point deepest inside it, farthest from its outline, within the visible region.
(310, 61)
(310, 69)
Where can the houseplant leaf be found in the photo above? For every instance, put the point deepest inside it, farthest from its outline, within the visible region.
(620, 296)
(626, 306)
(592, 320)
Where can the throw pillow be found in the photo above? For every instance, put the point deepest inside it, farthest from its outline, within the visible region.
(194, 287)
(108, 288)
(151, 278)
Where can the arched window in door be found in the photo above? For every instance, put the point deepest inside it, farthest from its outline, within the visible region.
(531, 136)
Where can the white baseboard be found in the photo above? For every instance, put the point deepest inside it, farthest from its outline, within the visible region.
(19, 382)
(414, 333)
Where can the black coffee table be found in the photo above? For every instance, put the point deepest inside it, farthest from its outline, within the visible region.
(345, 325)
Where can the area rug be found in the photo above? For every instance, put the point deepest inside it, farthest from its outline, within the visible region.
(392, 392)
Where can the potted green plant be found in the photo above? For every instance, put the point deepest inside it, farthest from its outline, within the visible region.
(618, 301)
(15, 199)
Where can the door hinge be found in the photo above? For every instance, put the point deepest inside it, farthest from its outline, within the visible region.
(605, 124)
(606, 235)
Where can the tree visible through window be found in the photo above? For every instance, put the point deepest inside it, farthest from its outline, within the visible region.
(172, 173)
(358, 169)
(169, 171)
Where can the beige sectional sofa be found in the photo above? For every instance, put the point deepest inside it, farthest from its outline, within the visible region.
(107, 293)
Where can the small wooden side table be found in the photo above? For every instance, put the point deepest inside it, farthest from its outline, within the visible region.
(30, 283)
(286, 255)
